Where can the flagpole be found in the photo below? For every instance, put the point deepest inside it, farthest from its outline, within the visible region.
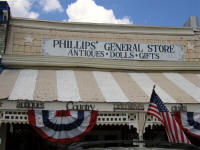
(154, 86)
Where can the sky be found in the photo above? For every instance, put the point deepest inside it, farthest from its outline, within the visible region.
(138, 12)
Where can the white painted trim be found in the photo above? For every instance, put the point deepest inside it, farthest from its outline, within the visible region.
(21, 61)
(97, 27)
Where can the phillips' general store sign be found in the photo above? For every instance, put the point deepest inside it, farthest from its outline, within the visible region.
(112, 50)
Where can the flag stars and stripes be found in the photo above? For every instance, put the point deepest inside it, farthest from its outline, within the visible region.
(158, 109)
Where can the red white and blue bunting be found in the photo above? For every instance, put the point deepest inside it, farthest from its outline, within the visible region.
(190, 122)
(62, 126)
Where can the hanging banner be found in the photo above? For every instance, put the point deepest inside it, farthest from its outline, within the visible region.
(62, 126)
(112, 50)
(190, 122)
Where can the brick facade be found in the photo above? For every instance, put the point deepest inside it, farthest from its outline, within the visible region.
(28, 41)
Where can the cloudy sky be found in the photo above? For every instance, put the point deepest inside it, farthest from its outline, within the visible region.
(140, 12)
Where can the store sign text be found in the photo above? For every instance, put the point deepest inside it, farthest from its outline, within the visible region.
(73, 106)
(112, 50)
(181, 108)
(30, 104)
(128, 106)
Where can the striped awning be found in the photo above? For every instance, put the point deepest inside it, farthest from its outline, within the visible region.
(98, 86)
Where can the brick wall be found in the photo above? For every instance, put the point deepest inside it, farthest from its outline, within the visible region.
(28, 41)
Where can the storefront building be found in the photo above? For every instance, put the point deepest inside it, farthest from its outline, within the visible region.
(110, 68)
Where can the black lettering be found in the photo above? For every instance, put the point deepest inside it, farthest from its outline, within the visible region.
(106, 46)
(75, 53)
(75, 107)
(118, 54)
(139, 49)
(149, 48)
(77, 45)
(32, 104)
(118, 47)
(132, 55)
(19, 105)
(128, 47)
(143, 55)
(156, 56)
(70, 53)
(86, 107)
(135, 48)
(166, 48)
(123, 47)
(171, 49)
(160, 48)
(140, 107)
(80, 107)
(92, 107)
(184, 108)
(93, 46)
(62, 44)
(112, 46)
(69, 44)
(41, 105)
(26, 105)
(69, 106)
(55, 42)
(82, 45)
(87, 44)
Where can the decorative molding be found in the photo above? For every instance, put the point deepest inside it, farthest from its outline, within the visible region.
(151, 121)
(19, 61)
(118, 118)
(11, 116)
(104, 118)
(130, 119)
(96, 28)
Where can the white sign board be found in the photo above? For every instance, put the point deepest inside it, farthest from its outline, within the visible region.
(112, 50)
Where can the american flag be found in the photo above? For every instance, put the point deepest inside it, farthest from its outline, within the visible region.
(158, 109)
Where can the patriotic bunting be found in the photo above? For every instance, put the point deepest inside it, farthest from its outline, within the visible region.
(62, 126)
(1, 66)
(190, 122)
